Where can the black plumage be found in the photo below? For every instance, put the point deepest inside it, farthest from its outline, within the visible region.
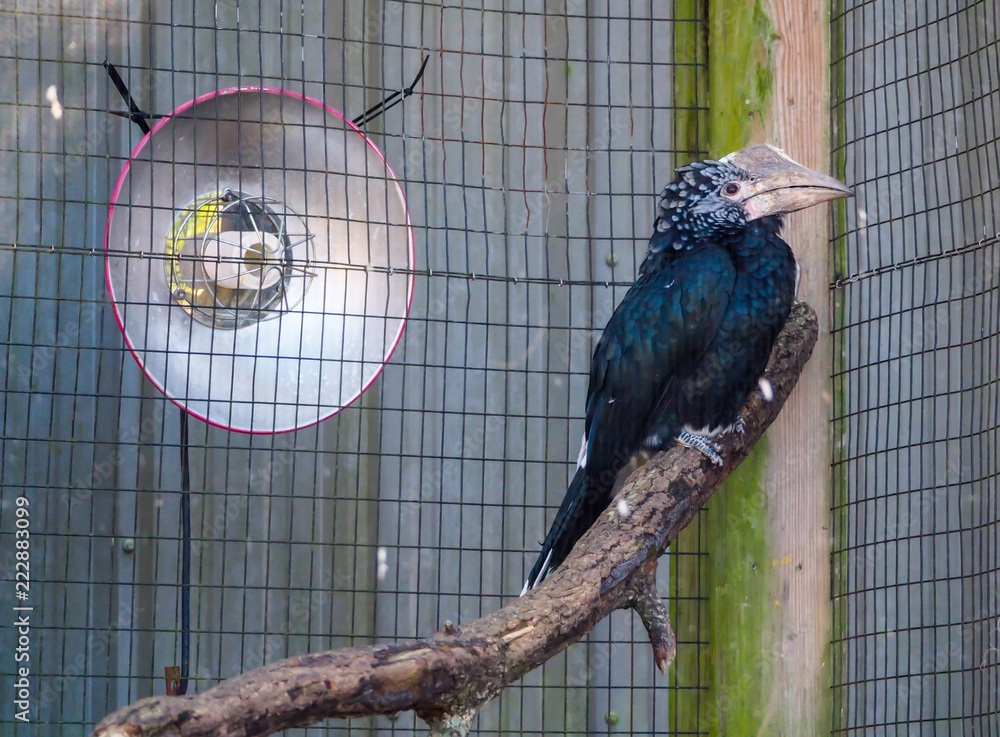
(692, 336)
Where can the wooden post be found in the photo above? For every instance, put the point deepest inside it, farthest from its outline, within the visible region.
(767, 532)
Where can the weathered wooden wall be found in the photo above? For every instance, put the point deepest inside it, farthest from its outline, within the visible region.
(533, 150)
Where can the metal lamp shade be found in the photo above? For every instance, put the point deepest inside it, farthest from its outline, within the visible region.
(259, 259)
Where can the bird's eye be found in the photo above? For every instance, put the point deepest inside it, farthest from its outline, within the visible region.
(731, 188)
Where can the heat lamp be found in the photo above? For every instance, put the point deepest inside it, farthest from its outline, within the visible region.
(259, 259)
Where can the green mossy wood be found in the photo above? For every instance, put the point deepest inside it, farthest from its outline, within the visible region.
(739, 622)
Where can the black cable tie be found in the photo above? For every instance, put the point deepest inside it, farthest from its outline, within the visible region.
(392, 100)
(135, 114)
(131, 116)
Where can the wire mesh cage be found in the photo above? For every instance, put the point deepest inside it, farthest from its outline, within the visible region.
(528, 156)
(915, 520)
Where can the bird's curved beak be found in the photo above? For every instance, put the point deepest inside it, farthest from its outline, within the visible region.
(781, 185)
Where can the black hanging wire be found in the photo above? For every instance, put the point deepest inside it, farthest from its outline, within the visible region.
(391, 100)
(179, 687)
(135, 114)
(140, 118)
(185, 556)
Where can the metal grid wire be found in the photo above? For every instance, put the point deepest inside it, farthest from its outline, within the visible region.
(917, 347)
(529, 159)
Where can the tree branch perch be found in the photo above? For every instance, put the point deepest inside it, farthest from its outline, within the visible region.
(447, 677)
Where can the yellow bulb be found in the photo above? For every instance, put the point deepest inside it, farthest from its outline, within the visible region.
(204, 219)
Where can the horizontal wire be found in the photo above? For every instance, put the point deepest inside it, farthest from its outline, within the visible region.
(843, 282)
(389, 270)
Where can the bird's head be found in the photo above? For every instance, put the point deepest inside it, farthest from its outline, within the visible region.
(710, 199)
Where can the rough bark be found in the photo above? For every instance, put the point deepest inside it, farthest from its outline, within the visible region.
(447, 677)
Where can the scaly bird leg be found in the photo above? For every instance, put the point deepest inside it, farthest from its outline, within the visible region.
(708, 447)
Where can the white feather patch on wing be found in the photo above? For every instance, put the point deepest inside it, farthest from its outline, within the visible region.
(542, 573)
(581, 462)
(545, 568)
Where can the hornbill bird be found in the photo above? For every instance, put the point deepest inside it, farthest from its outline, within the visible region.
(688, 343)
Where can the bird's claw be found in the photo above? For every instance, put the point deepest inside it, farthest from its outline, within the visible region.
(740, 426)
(709, 448)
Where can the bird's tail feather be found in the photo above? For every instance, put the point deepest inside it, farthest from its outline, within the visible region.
(575, 516)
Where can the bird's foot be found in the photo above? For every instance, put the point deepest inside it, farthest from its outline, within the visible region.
(740, 426)
(708, 447)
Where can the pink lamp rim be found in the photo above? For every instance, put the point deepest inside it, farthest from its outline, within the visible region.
(107, 248)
